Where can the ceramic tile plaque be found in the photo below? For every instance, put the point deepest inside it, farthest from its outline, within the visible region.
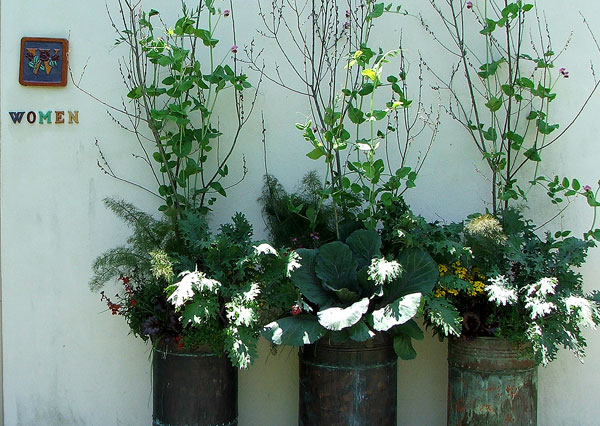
(43, 61)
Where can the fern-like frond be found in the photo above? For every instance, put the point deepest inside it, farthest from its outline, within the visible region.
(149, 234)
(114, 263)
(143, 225)
(287, 215)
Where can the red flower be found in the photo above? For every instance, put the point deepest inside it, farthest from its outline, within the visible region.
(133, 302)
(296, 310)
(179, 341)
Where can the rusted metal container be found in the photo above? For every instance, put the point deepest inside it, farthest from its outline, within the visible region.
(490, 382)
(348, 384)
(193, 389)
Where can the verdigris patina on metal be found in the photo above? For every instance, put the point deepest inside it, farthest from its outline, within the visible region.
(490, 383)
(193, 389)
(348, 384)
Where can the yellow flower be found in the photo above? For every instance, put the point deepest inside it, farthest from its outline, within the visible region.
(439, 293)
(461, 272)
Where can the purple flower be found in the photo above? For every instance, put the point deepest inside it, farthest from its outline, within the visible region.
(587, 188)
(348, 13)
(150, 327)
(469, 5)
(234, 48)
(346, 25)
(564, 72)
(226, 13)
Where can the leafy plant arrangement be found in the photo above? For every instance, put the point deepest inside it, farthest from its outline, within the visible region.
(498, 277)
(359, 124)
(197, 290)
(182, 287)
(350, 291)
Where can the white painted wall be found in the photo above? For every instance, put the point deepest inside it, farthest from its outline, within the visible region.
(66, 362)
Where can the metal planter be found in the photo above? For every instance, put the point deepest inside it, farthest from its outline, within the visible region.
(490, 382)
(193, 389)
(348, 384)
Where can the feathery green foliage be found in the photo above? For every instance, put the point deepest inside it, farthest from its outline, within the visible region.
(299, 219)
(147, 235)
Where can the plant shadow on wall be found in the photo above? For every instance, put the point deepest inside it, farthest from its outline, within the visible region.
(362, 129)
(183, 288)
(499, 274)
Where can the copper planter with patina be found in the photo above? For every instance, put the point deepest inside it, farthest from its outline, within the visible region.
(491, 383)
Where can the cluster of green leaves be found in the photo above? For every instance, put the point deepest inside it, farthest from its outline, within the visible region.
(292, 219)
(244, 284)
(351, 292)
(402, 229)
(507, 111)
(514, 260)
(175, 93)
(230, 288)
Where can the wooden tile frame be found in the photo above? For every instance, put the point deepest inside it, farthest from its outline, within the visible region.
(63, 67)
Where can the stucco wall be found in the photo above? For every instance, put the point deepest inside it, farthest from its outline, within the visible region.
(66, 362)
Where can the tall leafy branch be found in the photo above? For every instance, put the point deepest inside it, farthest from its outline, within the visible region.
(510, 96)
(326, 46)
(175, 78)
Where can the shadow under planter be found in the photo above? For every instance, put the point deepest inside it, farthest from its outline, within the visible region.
(193, 389)
(490, 383)
(348, 384)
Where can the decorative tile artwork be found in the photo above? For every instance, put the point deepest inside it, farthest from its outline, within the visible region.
(43, 61)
